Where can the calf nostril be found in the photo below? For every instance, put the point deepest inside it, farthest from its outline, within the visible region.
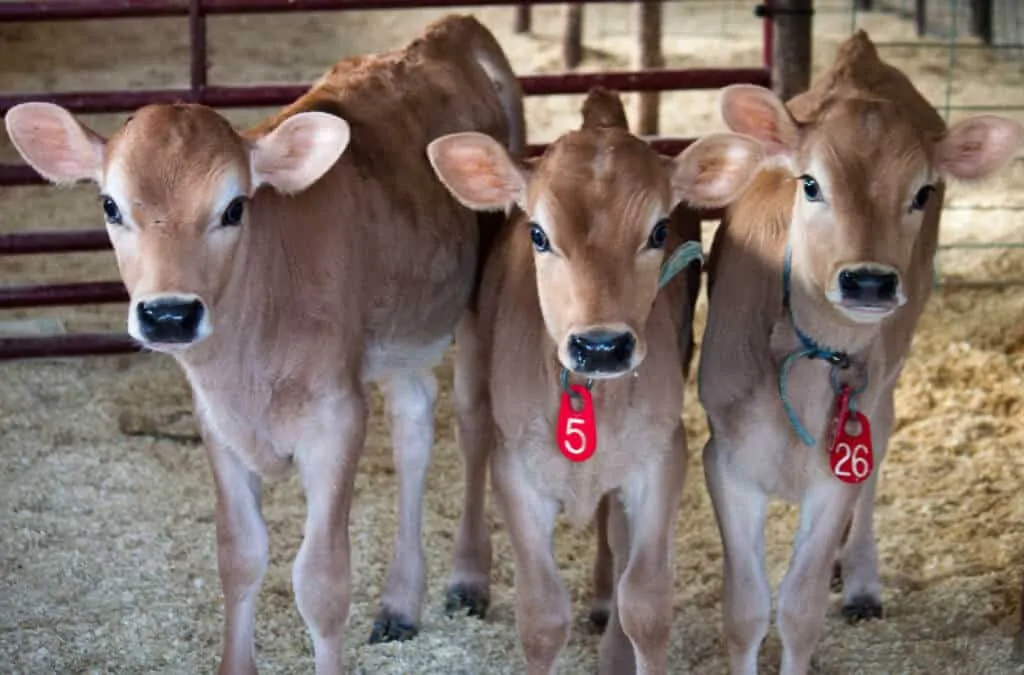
(848, 282)
(887, 286)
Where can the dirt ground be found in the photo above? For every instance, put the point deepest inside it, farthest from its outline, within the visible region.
(106, 525)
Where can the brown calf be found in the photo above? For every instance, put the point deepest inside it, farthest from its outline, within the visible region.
(571, 290)
(282, 303)
(816, 281)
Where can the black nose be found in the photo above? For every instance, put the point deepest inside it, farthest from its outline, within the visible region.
(866, 285)
(601, 351)
(170, 319)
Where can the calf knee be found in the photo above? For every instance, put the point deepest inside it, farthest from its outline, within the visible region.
(645, 609)
(544, 635)
(322, 590)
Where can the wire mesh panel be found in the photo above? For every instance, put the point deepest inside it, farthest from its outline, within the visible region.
(965, 60)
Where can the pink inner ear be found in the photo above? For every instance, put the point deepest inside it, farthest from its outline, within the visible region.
(979, 148)
(758, 118)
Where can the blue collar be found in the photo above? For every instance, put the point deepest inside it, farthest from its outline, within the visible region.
(811, 349)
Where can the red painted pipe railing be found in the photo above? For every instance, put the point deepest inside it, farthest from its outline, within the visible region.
(68, 10)
(266, 96)
(21, 174)
(95, 292)
(75, 344)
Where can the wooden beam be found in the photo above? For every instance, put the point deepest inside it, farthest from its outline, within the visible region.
(791, 46)
(572, 44)
(648, 56)
(524, 18)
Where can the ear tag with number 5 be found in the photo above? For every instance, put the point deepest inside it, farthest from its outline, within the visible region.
(851, 457)
(577, 432)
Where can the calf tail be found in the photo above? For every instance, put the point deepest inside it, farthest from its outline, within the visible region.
(489, 54)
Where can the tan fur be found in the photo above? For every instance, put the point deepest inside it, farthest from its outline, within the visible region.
(363, 277)
(876, 141)
(597, 193)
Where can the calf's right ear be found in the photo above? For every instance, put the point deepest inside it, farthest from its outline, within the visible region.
(755, 111)
(477, 170)
(54, 143)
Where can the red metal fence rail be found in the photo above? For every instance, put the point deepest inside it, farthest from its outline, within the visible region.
(200, 91)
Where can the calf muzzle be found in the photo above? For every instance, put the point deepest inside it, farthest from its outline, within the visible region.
(601, 351)
(170, 319)
(869, 285)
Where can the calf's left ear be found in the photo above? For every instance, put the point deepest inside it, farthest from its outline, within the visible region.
(715, 170)
(298, 152)
(979, 146)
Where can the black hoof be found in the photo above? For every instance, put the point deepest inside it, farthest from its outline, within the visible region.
(862, 608)
(837, 578)
(599, 619)
(459, 598)
(390, 627)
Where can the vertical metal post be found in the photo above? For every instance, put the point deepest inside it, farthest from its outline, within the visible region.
(921, 17)
(197, 49)
(769, 35)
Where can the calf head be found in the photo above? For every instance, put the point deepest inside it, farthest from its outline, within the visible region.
(175, 183)
(868, 154)
(595, 207)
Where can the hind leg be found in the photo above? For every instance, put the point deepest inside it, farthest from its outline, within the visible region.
(469, 583)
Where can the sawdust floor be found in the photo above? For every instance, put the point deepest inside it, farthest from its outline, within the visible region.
(106, 528)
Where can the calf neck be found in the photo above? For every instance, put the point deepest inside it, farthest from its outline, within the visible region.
(287, 267)
(816, 280)
(573, 310)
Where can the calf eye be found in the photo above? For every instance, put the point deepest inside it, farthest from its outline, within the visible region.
(921, 198)
(658, 235)
(811, 189)
(539, 239)
(110, 210)
(233, 213)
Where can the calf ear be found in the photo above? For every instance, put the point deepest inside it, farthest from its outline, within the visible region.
(54, 143)
(979, 146)
(759, 113)
(298, 152)
(715, 170)
(477, 170)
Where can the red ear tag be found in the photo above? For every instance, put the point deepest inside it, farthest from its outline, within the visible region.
(851, 457)
(577, 432)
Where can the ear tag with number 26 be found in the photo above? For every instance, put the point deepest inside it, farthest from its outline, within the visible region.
(577, 432)
(851, 457)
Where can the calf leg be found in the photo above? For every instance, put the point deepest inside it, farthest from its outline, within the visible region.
(643, 594)
(803, 594)
(616, 651)
(327, 461)
(604, 575)
(543, 609)
(411, 398)
(241, 556)
(862, 587)
(469, 583)
(740, 508)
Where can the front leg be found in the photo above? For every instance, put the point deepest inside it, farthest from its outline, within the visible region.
(241, 555)
(411, 398)
(740, 508)
(803, 594)
(543, 608)
(641, 526)
(862, 588)
(327, 459)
